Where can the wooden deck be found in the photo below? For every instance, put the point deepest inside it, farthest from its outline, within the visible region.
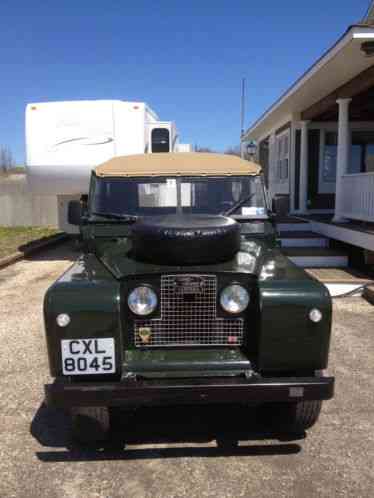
(340, 276)
(359, 234)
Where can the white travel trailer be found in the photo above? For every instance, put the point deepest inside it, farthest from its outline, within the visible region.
(65, 140)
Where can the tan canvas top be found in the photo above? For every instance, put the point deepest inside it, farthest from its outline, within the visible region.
(177, 164)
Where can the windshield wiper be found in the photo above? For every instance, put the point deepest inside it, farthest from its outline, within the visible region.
(238, 205)
(127, 218)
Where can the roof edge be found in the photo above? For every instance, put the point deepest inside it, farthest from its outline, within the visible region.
(347, 36)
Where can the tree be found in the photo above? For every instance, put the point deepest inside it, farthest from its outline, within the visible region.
(197, 148)
(6, 159)
(233, 151)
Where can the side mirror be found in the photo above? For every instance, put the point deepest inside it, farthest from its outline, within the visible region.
(74, 212)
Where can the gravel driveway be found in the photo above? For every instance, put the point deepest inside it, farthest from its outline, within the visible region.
(173, 452)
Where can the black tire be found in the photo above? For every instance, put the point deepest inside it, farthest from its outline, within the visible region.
(186, 240)
(293, 417)
(90, 424)
(304, 414)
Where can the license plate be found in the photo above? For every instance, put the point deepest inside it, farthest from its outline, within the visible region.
(88, 356)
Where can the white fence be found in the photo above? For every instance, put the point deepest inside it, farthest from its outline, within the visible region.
(358, 196)
(20, 208)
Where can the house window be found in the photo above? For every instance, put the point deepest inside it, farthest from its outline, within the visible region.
(362, 152)
(329, 158)
(283, 155)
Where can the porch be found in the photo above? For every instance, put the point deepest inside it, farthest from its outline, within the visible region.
(316, 147)
(333, 166)
(312, 241)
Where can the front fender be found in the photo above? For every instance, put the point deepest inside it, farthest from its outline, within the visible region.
(91, 296)
(289, 340)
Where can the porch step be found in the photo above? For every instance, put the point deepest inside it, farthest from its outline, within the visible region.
(316, 257)
(303, 239)
(289, 224)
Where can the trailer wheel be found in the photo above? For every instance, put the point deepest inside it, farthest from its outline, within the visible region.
(90, 424)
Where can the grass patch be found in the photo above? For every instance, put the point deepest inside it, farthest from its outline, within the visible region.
(12, 238)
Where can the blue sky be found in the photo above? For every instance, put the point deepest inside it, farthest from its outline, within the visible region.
(185, 59)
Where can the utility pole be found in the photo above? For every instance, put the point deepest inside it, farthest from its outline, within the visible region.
(242, 118)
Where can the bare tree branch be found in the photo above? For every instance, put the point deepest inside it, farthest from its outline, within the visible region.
(197, 148)
(6, 159)
(233, 151)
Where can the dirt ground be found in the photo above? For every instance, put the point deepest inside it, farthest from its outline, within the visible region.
(173, 452)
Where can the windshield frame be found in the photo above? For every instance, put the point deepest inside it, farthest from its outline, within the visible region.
(180, 179)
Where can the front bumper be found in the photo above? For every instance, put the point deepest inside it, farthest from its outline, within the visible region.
(188, 391)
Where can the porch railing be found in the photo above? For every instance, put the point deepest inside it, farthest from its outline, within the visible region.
(358, 196)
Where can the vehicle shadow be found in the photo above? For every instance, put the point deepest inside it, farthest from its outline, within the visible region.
(205, 431)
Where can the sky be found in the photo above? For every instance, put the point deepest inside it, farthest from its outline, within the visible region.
(185, 59)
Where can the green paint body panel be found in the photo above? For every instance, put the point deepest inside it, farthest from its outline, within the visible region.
(279, 336)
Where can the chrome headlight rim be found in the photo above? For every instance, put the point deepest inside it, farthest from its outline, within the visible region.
(242, 306)
(131, 303)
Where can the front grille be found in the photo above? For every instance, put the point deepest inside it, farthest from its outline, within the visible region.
(188, 316)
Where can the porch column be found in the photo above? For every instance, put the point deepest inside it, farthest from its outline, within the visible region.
(304, 167)
(342, 158)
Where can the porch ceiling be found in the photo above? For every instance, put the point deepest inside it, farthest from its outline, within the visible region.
(340, 64)
(360, 109)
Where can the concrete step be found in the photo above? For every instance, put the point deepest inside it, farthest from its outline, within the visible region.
(317, 257)
(342, 280)
(300, 226)
(303, 239)
(290, 224)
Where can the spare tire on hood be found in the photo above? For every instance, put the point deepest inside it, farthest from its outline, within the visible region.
(185, 239)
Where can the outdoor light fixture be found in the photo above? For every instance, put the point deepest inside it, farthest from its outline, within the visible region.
(251, 148)
(63, 320)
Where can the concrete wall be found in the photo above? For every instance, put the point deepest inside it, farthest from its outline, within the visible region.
(19, 208)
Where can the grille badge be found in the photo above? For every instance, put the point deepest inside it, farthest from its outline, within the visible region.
(189, 285)
(145, 334)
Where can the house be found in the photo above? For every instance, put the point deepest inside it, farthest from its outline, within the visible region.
(316, 145)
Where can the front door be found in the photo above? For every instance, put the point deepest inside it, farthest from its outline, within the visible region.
(322, 153)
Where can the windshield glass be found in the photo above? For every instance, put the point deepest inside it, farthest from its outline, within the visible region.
(239, 195)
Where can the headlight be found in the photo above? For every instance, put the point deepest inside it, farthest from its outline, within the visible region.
(142, 300)
(234, 298)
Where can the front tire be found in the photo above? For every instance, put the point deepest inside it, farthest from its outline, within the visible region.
(90, 424)
(305, 414)
(293, 417)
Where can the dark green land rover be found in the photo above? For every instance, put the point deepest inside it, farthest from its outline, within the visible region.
(182, 296)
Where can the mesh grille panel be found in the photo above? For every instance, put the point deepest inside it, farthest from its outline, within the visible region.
(189, 316)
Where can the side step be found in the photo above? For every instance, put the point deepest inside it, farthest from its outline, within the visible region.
(319, 257)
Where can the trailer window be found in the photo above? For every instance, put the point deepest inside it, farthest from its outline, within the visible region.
(160, 138)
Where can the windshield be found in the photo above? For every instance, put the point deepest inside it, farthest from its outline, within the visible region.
(239, 195)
